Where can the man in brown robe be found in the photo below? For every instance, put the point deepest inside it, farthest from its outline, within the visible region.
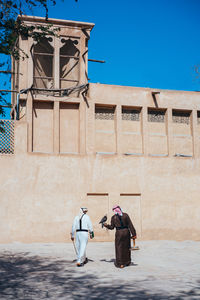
(124, 232)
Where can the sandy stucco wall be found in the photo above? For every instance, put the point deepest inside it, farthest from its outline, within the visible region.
(40, 194)
(136, 147)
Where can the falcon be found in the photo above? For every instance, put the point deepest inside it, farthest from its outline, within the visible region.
(103, 220)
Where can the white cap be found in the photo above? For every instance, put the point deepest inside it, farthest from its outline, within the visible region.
(84, 208)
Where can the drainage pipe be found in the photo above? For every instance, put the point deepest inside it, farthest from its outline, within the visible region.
(18, 94)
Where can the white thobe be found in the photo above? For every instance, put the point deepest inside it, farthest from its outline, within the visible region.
(81, 236)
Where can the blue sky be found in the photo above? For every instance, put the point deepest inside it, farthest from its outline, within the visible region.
(146, 43)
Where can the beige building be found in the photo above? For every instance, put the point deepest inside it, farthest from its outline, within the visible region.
(72, 143)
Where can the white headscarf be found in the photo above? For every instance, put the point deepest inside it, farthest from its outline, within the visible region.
(82, 209)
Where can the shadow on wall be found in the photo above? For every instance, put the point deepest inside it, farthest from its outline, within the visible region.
(25, 277)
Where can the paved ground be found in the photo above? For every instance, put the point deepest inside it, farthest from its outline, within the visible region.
(160, 270)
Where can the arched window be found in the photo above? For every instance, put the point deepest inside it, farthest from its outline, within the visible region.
(43, 54)
(69, 63)
(66, 69)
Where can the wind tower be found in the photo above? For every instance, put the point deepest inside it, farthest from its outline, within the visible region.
(51, 84)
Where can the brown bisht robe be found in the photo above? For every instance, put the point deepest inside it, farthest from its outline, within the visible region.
(122, 238)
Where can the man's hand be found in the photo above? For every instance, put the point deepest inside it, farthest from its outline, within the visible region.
(72, 238)
(91, 234)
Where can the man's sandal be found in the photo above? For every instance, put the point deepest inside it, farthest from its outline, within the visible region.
(86, 261)
(80, 264)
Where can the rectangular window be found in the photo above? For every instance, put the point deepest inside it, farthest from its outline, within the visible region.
(131, 138)
(157, 132)
(100, 200)
(43, 126)
(131, 204)
(179, 116)
(69, 128)
(105, 131)
(130, 114)
(156, 115)
(198, 117)
(104, 113)
(182, 133)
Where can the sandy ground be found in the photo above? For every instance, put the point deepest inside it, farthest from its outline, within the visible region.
(159, 270)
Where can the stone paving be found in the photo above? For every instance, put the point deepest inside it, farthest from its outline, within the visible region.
(159, 270)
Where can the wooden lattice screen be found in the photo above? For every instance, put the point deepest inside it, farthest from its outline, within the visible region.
(6, 137)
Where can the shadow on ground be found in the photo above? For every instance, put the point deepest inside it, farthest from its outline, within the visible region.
(113, 261)
(33, 277)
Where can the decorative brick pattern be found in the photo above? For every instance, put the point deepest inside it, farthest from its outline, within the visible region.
(156, 116)
(6, 137)
(198, 117)
(181, 117)
(104, 113)
(130, 114)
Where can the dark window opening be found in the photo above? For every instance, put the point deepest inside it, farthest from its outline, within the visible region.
(104, 113)
(179, 116)
(69, 63)
(43, 54)
(130, 113)
(156, 115)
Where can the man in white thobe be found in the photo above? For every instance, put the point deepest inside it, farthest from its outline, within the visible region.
(82, 225)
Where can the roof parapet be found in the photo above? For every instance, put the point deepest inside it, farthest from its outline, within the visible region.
(76, 24)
